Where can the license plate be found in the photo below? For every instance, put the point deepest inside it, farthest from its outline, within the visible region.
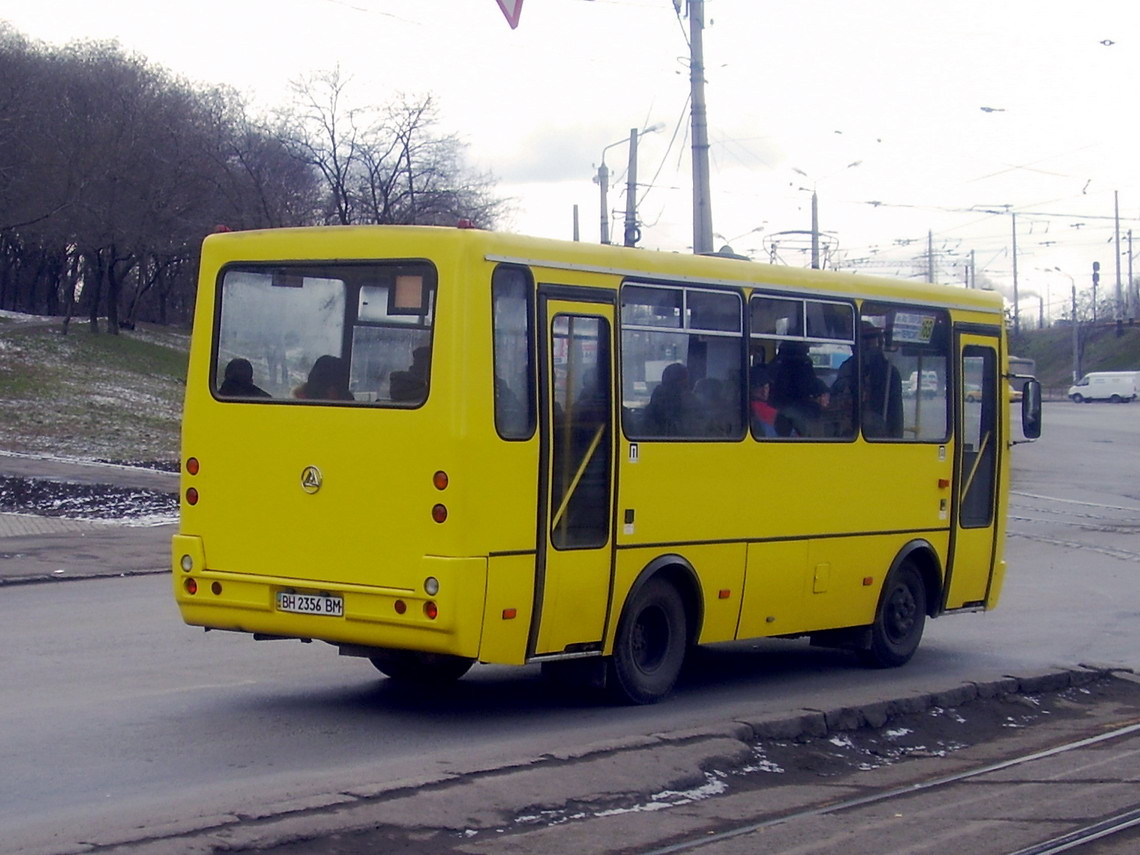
(310, 604)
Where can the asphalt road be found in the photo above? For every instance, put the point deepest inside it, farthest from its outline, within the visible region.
(117, 716)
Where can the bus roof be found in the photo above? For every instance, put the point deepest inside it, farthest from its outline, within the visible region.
(545, 253)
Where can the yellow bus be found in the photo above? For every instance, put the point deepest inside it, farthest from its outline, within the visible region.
(433, 447)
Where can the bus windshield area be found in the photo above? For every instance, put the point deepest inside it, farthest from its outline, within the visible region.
(346, 333)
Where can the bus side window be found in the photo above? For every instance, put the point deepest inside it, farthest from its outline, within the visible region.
(513, 335)
(799, 350)
(904, 373)
(682, 373)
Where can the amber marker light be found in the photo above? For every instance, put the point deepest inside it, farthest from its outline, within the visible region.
(510, 614)
(192, 465)
(191, 496)
(439, 479)
(724, 593)
(439, 513)
(868, 581)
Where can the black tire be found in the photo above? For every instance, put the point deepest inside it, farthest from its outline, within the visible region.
(650, 646)
(420, 669)
(899, 619)
(1116, 399)
(1078, 398)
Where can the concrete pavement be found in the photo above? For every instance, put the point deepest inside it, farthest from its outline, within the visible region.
(42, 548)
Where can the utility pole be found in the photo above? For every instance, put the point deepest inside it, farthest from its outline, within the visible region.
(930, 255)
(604, 183)
(1132, 296)
(1016, 315)
(702, 204)
(1096, 281)
(632, 232)
(1118, 314)
(814, 231)
(1076, 338)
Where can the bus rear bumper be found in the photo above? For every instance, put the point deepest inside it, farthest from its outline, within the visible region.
(447, 621)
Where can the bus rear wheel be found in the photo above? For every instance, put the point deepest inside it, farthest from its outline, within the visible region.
(899, 619)
(420, 669)
(650, 645)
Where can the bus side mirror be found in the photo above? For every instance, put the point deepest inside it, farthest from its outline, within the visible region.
(1031, 409)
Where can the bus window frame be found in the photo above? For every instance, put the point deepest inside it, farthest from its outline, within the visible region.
(530, 404)
(684, 328)
(350, 319)
(762, 292)
(945, 325)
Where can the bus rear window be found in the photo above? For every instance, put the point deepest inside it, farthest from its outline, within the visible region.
(334, 333)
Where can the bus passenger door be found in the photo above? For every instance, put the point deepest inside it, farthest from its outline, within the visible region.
(577, 471)
(977, 448)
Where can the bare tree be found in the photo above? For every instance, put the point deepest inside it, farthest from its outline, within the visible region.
(386, 165)
(326, 133)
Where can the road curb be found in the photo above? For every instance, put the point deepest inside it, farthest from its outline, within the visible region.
(496, 795)
(42, 578)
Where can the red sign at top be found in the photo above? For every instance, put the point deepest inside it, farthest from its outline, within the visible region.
(512, 9)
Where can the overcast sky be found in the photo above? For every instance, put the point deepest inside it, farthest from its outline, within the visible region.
(906, 117)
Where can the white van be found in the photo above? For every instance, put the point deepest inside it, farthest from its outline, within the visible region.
(1116, 386)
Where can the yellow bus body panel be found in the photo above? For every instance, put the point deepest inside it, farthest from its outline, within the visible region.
(782, 536)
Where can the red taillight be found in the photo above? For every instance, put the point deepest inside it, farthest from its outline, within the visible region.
(439, 479)
(400, 607)
(191, 586)
(191, 496)
(192, 465)
(439, 513)
(431, 610)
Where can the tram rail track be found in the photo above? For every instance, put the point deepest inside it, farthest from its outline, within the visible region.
(1068, 841)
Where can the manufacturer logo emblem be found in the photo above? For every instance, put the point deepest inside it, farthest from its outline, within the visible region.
(311, 479)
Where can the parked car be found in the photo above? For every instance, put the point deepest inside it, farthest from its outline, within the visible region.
(1119, 387)
(929, 384)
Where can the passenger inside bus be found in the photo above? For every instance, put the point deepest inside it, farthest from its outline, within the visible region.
(412, 385)
(792, 375)
(761, 412)
(672, 408)
(880, 386)
(238, 381)
(718, 412)
(327, 381)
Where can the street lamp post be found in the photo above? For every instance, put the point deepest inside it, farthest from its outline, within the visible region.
(1076, 333)
(815, 234)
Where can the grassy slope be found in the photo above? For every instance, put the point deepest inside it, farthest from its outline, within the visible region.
(90, 396)
(1052, 349)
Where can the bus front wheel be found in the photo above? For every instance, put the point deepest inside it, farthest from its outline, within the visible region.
(417, 668)
(899, 620)
(650, 645)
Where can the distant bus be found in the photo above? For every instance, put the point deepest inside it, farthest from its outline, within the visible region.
(1021, 368)
(434, 447)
